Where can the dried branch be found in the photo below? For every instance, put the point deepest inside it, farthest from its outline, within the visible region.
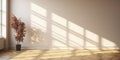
(19, 28)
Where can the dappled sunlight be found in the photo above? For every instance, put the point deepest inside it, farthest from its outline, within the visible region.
(38, 23)
(58, 19)
(107, 44)
(75, 41)
(57, 44)
(58, 30)
(27, 55)
(58, 54)
(75, 34)
(59, 36)
(67, 33)
(48, 54)
(38, 28)
(92, 40)
(36, 36)
(92, 36)
(75, 28)
(63, 33)
(38, 9)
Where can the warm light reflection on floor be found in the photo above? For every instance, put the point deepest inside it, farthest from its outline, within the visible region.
(56, 54)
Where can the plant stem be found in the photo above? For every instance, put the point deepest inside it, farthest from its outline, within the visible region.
(17, 42)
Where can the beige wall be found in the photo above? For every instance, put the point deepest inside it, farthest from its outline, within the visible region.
(0, 17)
(69, 24)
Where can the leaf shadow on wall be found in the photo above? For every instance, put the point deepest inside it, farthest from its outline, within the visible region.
(36, 35)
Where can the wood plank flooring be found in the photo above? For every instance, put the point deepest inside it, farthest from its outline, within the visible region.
(60, 55)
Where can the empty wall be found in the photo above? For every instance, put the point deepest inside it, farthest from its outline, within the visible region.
(68, 24)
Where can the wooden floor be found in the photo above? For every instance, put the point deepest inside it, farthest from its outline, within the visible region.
(60, 55)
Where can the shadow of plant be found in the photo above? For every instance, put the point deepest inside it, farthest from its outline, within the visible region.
(36, 35)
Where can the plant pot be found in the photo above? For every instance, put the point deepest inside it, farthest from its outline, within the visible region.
(18, 47)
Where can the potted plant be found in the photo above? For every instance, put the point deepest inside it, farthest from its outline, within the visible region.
(19, 28)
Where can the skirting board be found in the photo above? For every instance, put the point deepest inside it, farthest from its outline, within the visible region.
(1, 44)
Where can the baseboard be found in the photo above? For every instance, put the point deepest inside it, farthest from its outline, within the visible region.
(1, 44)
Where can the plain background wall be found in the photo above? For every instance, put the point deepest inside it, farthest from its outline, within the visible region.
(98, 19)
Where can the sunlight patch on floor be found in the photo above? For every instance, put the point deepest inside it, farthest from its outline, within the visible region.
(50, 54)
